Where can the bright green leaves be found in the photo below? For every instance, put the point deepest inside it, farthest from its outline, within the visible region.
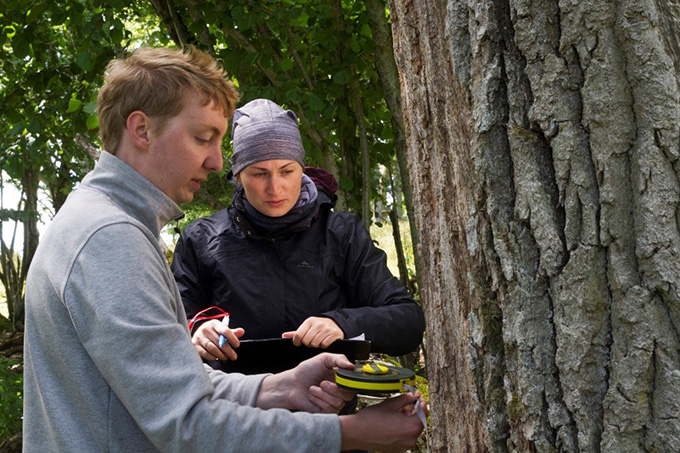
(52, 58)
(301, 53)
(92, 122)
(73, 105)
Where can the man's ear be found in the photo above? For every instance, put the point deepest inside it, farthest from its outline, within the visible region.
(139, 129)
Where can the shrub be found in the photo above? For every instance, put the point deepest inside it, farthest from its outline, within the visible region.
(11, 402)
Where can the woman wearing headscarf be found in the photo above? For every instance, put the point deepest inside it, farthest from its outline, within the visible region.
(280, 261)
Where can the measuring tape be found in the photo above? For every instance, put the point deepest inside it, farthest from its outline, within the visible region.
(377, 378)
(373, 377)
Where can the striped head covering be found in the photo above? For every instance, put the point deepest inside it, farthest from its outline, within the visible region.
(262, 130)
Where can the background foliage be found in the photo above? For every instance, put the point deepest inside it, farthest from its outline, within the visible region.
(11, 382)
(316, 58)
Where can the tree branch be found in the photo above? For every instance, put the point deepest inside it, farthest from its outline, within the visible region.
(88, 146)
(178, 31)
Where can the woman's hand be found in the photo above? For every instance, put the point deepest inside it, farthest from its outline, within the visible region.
(316, 332)
(207, 336)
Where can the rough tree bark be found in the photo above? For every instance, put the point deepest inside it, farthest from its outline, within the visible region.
(543, 151)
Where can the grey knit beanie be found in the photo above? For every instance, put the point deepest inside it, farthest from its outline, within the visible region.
(262, 130)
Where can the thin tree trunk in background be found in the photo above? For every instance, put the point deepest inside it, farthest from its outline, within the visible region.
(346, 132)
(389, 78)
(30, 183)
(173, 22)
(543, 146)
(9, 267)
(396, 234)
(365, 152)
(13, 270)
(412, 359)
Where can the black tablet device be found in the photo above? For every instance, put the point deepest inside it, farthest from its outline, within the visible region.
(273, 355)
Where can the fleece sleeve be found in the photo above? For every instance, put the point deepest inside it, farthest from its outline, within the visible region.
(124, 305)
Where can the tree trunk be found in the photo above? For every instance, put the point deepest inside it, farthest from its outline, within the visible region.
(30, 182)
(389, 78)
(396, 233)
(543, 149)
(365, 153)
(13, 270)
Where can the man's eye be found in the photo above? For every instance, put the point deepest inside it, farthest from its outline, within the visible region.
(202, 140)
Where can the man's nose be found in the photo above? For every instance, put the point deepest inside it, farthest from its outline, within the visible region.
(215, 160)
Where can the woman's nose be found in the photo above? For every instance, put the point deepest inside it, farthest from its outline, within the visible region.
(274, 185)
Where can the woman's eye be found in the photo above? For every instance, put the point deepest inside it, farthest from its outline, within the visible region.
(202, 140)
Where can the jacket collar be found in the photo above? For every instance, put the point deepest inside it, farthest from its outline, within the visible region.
(135, 194)
(249, 229)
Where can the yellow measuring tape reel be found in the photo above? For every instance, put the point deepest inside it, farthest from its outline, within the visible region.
(374, 377)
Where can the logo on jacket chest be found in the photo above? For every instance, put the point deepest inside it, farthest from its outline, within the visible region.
(305, 265)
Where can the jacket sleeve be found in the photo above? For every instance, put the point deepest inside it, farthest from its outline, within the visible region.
(129, 326)
(195, 291)
(378, 304)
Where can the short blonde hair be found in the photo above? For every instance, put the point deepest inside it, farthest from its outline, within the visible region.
(156, 81)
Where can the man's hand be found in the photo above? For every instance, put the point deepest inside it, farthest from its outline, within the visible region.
(316, 332)
(391, 425)
(309, 387)
(207, 336)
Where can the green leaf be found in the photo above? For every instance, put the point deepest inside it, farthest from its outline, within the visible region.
(346, 184)
(17, 128)
(315, 103)
(84, 62)
(34, 126)
(92, 122)
(286, 64)
(90, 108)
(21, 47)
(115, 4)
(73, 105)
(342, 77)
(293, 95)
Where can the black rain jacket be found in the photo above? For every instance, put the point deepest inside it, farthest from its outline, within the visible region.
(270, 285)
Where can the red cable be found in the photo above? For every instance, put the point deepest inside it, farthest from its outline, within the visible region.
(198, 316)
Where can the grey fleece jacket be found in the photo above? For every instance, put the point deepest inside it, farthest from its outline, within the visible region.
(109, 364)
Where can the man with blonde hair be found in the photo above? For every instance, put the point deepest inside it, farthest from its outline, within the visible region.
(109, 364)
